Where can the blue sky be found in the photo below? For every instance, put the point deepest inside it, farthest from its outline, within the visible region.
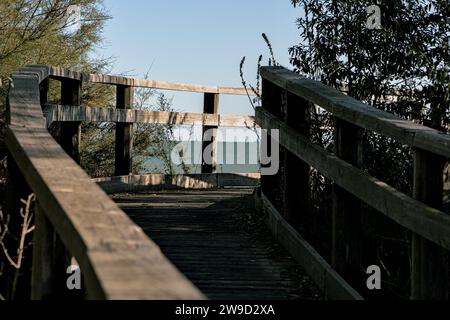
(198, 41)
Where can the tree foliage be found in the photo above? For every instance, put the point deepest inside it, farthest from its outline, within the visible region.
(402, 68)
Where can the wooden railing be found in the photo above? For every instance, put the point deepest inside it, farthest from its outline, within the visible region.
(74, 217)
(287, 99)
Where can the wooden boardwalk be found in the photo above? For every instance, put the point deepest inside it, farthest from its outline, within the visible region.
(214, 238)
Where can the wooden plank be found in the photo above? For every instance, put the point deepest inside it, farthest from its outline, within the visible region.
(328, 280)
(430, 223)
(58, 72)
(133, 183)
(209, 133)
(113, 253)
(60, 113)
(123, 164)
(358, 113)
(296, 172)
(429, 271)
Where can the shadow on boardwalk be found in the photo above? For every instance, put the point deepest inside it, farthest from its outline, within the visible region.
(218, 241)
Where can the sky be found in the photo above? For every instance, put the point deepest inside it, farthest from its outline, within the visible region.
(198, 42)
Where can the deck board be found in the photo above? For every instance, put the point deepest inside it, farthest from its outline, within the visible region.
(214, 238)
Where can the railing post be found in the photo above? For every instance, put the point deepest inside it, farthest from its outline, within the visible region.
(50, 261)
(429, 271)
(210, 106)
(271, 97)
(346, 218)
(43, 91)
(124, 133)
(296, 173)
(70, 132)
(43, 275)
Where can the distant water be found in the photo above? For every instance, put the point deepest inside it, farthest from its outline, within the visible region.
(232, 157)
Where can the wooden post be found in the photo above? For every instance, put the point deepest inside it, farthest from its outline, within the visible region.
(50, 261)
(43, 91)
(124, 133)
(296, 172)
(43, 276)
(271, 184)
(346, 218)
(70, 132)
(429, 272)
(210, 106)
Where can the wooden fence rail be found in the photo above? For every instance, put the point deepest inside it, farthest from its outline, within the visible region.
(59, 113)
(75, 218)
(421, 214)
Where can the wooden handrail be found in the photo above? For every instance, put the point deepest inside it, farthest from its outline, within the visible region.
(362, 115)
(286, 100)
(412, 214)
(58, 113)
(117, 259)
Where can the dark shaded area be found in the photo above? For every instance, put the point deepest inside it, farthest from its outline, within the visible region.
(216, 239)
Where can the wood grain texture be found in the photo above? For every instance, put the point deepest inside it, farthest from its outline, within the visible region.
(358, 113)
(203, 232)
(430, 223)
(328, 280)
(429, 262)
(117, 259)
(62, 73)
(134, 183)
(209, 134)
(123, 161)
(60, 113)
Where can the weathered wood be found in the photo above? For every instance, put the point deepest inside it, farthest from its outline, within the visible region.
(113, 253)
(209, 145)
(328, 280)
(46, 281)
(59, 113)
(203, 232)
(346, 222)
(429, 271)
(358, 113)
(124, 134)
(107, 245)
(58, 73)
(410, 213)
(271, 101)
(70, 132)
(133, 183)
(17, 190)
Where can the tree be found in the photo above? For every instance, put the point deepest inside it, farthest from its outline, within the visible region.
(40, 32)
(408, 57)
(402, 68)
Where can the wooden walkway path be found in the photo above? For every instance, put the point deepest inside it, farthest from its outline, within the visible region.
(214, 238)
